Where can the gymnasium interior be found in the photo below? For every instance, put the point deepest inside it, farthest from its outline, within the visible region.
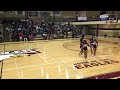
(46, 44)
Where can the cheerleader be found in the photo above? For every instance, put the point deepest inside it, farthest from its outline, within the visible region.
(85, 49)
(95, 45)
(91, 46)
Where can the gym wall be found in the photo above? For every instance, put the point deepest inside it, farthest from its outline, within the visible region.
(110, 30)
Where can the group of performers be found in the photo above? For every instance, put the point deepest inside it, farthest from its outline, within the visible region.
(93, 44)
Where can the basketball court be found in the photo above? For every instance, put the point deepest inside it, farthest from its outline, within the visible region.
(57, 59)
(60, 59)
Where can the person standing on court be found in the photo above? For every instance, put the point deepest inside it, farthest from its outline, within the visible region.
(91, 45)
(95, 45)
(81, 46)
(85, 49)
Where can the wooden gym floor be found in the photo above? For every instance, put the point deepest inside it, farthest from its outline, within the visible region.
(57, 58)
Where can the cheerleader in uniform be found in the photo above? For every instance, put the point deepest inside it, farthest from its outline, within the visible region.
(85, 49)
(91, 46)
(95, 45)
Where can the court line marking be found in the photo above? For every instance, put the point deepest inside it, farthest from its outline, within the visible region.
(41, 77)
(79, 50)
(59, 61)
(98, 50)
(91, 57)
(41, 56)
(17, 68)
(47, 64)
(29, 66)
(102, 56)
(66, 65)
(8, 43)
(16, 65)
(80, 59)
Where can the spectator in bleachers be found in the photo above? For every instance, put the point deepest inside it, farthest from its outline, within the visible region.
(30, 29)
(20, 36)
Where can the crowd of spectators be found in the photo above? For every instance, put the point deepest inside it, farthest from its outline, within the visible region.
(26, 30)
